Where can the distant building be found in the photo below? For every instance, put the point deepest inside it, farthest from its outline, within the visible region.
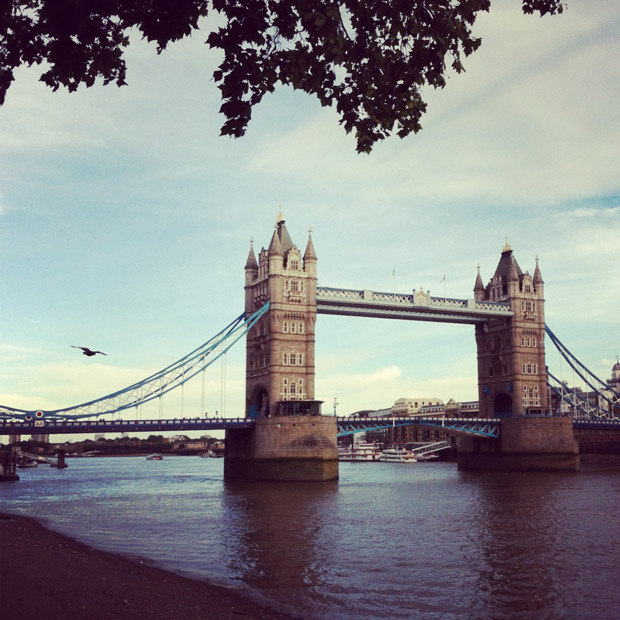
(418, 407)
(596, 399)
(614, 382)
(412, 406)
(614, 390)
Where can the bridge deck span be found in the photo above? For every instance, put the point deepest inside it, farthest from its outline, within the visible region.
(482, 427)
(414, 307)
(66, 427)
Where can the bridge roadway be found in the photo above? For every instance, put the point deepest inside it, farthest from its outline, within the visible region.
(479, 427)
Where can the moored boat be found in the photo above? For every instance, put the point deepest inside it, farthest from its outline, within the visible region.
(397, 455)
(359, 452)
(27, 464)
(427, 457)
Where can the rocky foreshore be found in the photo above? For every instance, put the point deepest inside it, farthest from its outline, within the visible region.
(45, 575)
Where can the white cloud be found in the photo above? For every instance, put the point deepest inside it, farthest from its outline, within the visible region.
(583, 212)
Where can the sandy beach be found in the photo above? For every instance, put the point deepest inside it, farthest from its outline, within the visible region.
(47, 576)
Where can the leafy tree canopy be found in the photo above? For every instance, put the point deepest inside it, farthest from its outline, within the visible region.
(368, 58)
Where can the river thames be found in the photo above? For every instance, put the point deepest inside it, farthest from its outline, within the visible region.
(388, 541)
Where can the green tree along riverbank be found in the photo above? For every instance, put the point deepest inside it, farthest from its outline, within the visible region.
(180, 444)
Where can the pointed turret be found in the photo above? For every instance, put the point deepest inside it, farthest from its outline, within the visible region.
(285, 239)
(275, 247)
(478, 287)
(537, 276)
(251, 263)
(515, 272)
(251, 266)
(309, 253)
(508, 268)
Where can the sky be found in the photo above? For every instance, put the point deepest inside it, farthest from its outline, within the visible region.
(125, 219)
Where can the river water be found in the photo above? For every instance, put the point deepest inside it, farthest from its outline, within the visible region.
(388, 541)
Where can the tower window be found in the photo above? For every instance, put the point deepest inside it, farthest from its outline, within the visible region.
(295, 264)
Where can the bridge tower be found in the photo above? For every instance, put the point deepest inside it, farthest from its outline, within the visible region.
(512, 380)
(290, 440)
(512, 376)
(280, 347)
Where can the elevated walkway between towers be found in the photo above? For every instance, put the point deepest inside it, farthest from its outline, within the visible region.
(419, 306)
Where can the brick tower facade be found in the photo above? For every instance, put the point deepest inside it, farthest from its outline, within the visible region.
(512, 376)
(280, 347)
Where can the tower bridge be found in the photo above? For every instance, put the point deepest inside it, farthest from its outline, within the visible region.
(282, 434)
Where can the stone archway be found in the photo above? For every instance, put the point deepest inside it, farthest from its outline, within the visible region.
(258, 403)
(502, 406)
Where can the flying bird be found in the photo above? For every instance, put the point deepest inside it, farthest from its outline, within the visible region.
(88, 352)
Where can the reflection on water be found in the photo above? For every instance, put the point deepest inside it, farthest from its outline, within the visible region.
(516, 532)
(536, 548)
(387, 541)
(279, 531)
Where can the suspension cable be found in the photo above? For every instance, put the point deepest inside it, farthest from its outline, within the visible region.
(157, 384)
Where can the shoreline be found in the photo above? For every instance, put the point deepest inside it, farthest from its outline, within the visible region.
(45, 574)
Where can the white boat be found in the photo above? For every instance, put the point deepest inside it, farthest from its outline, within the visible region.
(397, 455)
(27, 464)
(359, 452)
(427, 457)
(154, 457)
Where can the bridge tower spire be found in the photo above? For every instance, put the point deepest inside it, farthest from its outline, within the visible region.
(512, 376)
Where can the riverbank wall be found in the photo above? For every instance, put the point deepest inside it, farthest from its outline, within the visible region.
(598, 441)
